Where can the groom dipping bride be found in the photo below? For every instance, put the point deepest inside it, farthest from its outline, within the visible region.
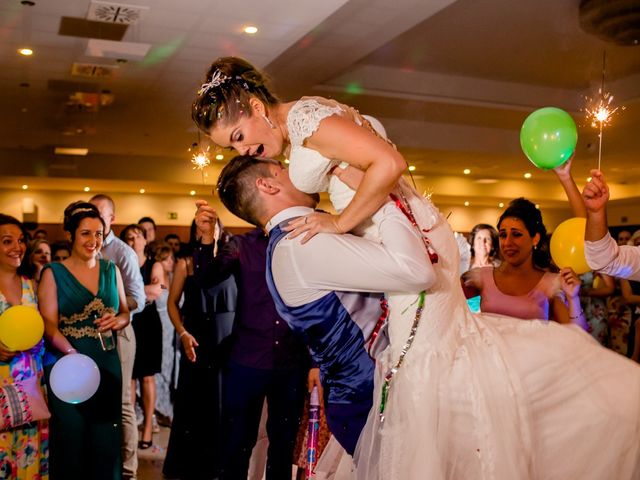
(551, 393)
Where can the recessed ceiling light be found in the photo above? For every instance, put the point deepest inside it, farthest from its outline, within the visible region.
(527, 175)
(24, 187)
(466, 171)
(142, 190)
(71, 151)
(501, 204)
(412, 168)
(250, 29)
(466, 204)
(286, 160)
(25, 51)
(87, 189)
(192, 193)
(219, 157)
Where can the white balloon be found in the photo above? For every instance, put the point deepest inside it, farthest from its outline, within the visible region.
(75, 378)
(377, 125)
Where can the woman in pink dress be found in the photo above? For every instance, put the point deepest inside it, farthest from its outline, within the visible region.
(523, 286)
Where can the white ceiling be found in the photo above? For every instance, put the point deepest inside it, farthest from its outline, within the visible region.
(451, 81)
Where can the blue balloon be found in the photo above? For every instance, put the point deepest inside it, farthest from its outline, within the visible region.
(74, 378)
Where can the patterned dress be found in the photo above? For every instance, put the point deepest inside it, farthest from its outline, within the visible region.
(86, 437)
(24, 450)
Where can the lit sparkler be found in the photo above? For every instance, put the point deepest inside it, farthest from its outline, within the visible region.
(200, 159)
(600, 109)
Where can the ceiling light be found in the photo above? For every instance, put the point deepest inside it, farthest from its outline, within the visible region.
(501, 205)
(219, 157)
(412, 168)
(192, 193)
(250, 29)
(286, 160)
(466, 171)
(527, 175)
(24, 187)
(142, 190)
(25, 51)
(466, 204)
(86, 189)
(588, 179)
(71, 151)
(537, 206)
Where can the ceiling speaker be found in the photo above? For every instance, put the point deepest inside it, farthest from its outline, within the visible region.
(616, 21)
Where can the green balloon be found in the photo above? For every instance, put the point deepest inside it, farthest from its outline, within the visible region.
(548, 137)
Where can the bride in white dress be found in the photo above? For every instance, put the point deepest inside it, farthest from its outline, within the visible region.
(472, 396)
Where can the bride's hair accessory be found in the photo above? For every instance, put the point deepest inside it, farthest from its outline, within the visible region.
(217, 79)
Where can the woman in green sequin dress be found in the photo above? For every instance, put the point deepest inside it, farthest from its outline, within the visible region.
(78, 298)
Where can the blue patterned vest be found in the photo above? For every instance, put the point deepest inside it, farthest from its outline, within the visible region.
(334, 328)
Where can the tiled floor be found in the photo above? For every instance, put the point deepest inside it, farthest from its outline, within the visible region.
(150, 460)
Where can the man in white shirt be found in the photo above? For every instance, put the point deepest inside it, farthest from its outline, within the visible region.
(126, 260)
(323, 288)
(602, 252)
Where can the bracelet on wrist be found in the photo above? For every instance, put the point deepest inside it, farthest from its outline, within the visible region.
(182, 334)
(575, 317)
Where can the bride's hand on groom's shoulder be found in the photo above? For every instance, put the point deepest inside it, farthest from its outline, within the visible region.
(312, 224)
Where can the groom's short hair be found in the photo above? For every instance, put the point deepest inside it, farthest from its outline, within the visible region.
(237, 186)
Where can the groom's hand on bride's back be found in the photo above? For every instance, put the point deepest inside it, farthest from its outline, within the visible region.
(206, 218)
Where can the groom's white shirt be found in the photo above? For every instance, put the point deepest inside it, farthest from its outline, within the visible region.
(329, 262)
(606, 256)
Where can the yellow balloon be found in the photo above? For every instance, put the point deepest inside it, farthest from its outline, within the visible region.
(567, 245)
(21, 327)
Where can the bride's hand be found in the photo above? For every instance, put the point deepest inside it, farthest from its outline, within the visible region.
(312, 224)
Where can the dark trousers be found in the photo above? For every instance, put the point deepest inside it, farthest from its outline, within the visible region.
(243, 396)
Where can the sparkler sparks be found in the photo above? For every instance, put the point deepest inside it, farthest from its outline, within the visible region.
(200, 159)
(600, 110)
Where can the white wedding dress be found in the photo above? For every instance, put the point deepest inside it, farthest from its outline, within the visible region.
(481, 396)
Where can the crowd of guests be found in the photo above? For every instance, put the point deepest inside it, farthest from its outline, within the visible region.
(201, 347)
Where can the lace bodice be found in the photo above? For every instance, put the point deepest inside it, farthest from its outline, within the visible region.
(309, 169)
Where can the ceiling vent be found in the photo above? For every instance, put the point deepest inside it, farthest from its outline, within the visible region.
(93, 70)
(116, 12)
(616, 21)
(80, 27)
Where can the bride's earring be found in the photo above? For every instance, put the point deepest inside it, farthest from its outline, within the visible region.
(269, 122)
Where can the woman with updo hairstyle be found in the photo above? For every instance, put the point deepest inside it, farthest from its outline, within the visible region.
(523, 285)
(82, 301)
(484, 246)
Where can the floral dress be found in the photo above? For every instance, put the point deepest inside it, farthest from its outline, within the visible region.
(595, 311)
(24, 450)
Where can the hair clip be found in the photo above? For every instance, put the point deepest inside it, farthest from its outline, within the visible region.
(217, 79)
(81, 209)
